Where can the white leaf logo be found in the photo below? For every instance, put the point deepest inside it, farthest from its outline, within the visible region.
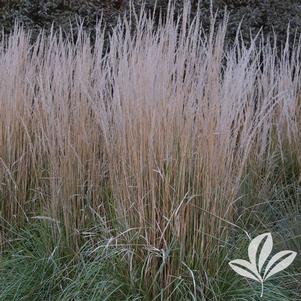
(259, 250)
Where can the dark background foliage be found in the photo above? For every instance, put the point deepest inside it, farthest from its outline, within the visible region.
(268, 15)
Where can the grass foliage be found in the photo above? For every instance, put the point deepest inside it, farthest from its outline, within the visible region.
(134, 173)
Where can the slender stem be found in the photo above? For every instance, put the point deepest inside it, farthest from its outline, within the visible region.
(261, 289)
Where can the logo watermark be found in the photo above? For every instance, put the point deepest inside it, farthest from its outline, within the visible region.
(259, 268)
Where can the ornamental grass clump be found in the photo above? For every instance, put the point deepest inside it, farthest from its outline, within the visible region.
(150, 140)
